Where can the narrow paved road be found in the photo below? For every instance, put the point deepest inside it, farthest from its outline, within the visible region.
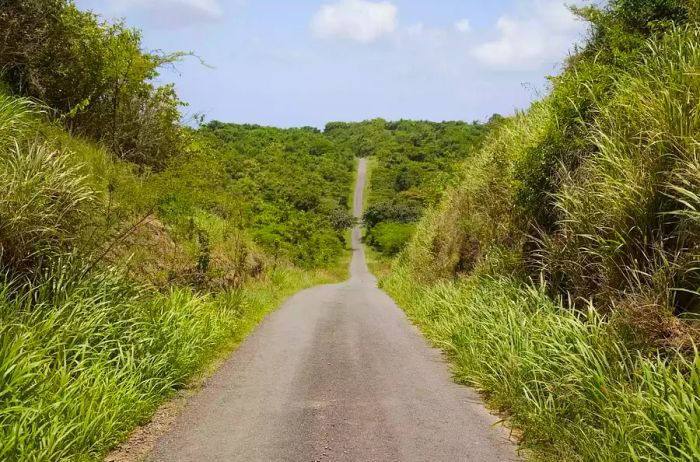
(336, 374)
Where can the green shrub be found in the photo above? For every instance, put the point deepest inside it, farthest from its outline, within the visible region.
(389, 211)
(390, 238)
(285, 186)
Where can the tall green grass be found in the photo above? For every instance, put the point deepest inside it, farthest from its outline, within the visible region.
(627, 215)
(564, 377)
(16, 116)
(594, 189)
(44, 205)
(82, 362)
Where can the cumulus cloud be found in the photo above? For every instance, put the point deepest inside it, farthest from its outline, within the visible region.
(528, 42)
(360, 21)
(173, 13)
(463, 26)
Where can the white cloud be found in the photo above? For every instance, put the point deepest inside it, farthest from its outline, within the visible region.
(356, 20)
(415, 29)
(173, 13)
(463, 26)
(527, 42)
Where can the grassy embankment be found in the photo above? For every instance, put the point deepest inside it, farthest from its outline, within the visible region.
(567, 380)
(84, 368)
(560, 275)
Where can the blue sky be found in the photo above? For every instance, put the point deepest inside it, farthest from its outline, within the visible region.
(307, 62)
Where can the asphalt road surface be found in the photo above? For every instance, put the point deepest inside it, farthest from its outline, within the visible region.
(336, 374)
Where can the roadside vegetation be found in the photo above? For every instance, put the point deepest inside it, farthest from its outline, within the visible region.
(561, 272)
(135, 250)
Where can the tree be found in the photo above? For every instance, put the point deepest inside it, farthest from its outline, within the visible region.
(95, 76)
(342, 220)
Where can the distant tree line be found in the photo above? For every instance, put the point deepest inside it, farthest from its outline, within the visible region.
(413, 162)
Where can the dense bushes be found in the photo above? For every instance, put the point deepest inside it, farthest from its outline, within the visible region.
(390, 238)
(94, 75)
(286, 186)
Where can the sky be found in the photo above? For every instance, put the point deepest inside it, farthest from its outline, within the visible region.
(308, 62)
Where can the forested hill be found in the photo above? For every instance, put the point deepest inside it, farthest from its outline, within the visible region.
(289, 187)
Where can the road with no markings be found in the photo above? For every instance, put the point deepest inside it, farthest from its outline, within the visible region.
(336, 374)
